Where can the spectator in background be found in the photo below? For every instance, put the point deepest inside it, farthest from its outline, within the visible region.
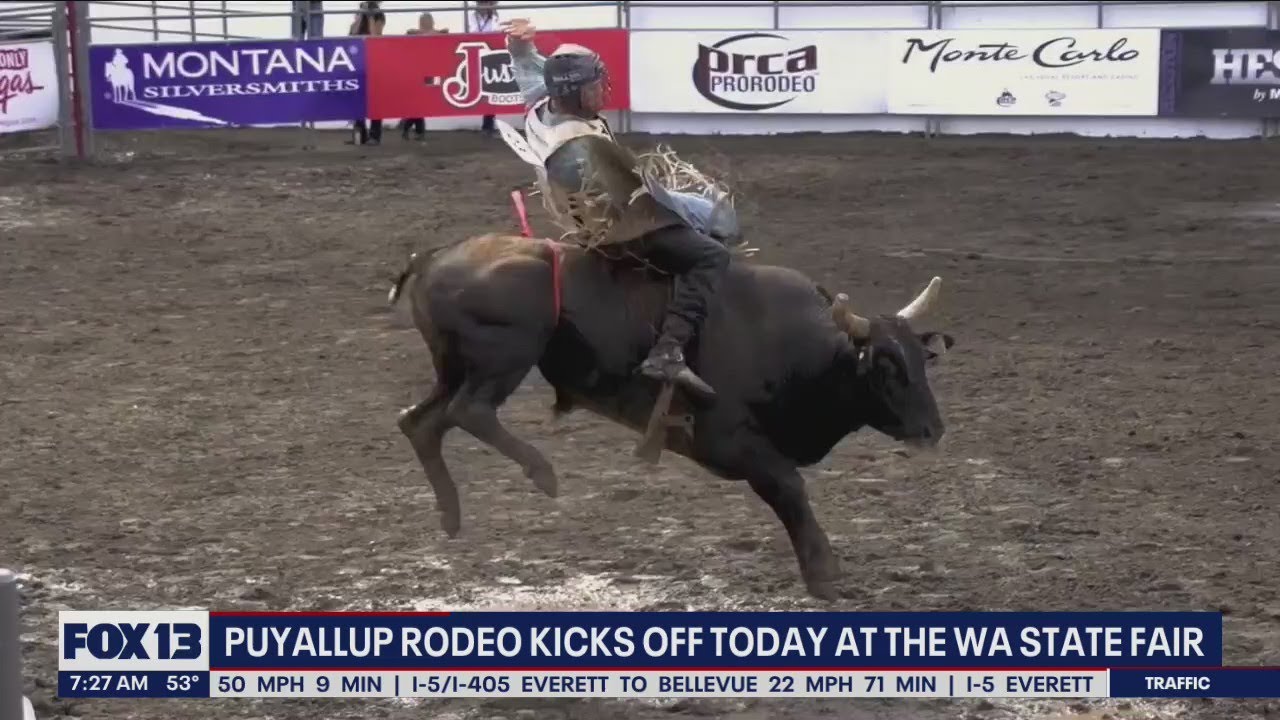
(308, 24)
(370, 20)
(308, 19)
(487, 21)
(426, 26)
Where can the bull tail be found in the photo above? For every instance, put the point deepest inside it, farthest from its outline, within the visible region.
(417, 263)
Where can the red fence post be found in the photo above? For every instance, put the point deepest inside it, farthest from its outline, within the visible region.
(77, 108)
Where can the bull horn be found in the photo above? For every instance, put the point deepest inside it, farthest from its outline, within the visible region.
(854, 325)
(920, 305)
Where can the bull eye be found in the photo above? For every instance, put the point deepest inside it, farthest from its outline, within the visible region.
(892, 368)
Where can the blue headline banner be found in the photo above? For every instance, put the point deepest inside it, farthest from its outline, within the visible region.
(722, 640)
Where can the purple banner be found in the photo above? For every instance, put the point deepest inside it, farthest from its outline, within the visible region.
(141, 87)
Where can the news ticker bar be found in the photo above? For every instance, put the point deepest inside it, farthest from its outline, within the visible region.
(579, 683)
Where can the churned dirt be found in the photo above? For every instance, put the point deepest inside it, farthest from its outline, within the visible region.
(199, 380)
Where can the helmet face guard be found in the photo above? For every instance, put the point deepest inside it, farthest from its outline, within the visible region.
(570, 75)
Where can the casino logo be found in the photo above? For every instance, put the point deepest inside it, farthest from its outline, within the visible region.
(483, 74)
(755, 71)
(15, 77)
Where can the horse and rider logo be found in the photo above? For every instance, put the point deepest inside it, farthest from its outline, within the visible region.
(124, 92)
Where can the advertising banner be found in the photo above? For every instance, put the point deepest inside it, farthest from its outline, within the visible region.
(1220, 73)
(455, 75)
(776, 71)
(1024, 72)
(28, 87)
(138, 87)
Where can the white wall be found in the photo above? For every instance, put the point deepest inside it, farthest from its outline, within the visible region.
(643, 16)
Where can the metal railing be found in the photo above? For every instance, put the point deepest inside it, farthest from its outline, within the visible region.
(27, 22)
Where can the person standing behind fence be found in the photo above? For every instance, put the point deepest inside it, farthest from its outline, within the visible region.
(308, 24)
(426, 26)
(370, 20)
(308, 19)
(487, 21)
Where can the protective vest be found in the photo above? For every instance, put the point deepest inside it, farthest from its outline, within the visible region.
(577, 158)
(545, 139)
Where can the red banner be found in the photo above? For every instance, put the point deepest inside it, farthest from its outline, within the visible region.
(451, 75)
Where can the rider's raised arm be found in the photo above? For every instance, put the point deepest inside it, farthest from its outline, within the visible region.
(527, 63)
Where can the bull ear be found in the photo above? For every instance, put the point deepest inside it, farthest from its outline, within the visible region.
(936, 344)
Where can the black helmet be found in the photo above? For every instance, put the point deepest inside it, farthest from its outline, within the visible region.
(570, 69)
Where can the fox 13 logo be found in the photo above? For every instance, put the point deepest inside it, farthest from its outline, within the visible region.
(131, 640)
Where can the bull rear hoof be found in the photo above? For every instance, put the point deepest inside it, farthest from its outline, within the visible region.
(451, 523)
(545, 480)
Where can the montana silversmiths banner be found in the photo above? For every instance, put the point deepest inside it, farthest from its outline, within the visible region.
(28, 86)
(1024, 72)
(839, 72)
(1221, 73)
(138, 87)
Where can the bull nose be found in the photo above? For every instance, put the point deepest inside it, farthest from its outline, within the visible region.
(928, 437)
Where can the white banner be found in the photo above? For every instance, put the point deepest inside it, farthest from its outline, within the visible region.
(28, 86)
(759, 71)
(1024, 72)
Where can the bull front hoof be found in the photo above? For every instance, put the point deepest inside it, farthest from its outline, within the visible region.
(821, 578)
(451, 523)
(824, 590)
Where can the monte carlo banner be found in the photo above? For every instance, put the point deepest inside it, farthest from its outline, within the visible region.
(1228, 72)
(1024, 72)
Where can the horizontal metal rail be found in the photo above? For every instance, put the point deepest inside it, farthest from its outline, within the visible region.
(184, 33)
(214, 15)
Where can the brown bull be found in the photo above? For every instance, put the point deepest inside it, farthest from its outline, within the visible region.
(794, 370)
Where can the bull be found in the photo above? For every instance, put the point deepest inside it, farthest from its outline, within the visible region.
(794, 369)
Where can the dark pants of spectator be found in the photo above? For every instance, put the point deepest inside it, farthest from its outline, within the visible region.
(370, 132)
(307, 23)
(417, 125)
(486, 125)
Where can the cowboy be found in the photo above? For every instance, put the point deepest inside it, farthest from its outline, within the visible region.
(612, 200)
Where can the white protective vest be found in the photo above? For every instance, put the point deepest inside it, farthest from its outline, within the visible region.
(545, 139)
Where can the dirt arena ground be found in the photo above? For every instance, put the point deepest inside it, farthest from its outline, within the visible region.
(200, 380)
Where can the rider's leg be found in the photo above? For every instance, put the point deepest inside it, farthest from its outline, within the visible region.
(699, 264)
